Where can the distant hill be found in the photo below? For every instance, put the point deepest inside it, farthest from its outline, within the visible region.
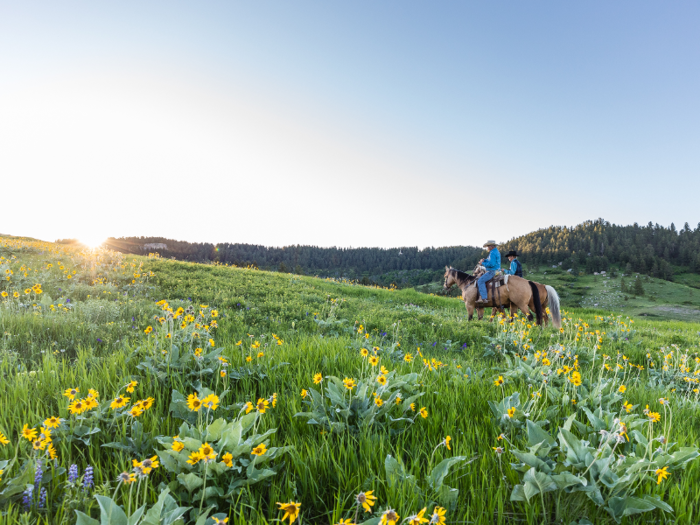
(592, 246)
(401, 265)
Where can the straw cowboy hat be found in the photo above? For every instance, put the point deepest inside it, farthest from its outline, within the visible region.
(490, 243)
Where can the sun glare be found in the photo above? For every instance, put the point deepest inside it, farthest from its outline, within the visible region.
(92, 241)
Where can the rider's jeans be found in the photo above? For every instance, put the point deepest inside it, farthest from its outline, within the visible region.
(482, 284)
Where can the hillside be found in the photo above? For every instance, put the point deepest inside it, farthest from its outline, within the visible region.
(248, 388)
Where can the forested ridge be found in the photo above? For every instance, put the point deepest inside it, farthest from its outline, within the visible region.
(592, 246)
(598, 245)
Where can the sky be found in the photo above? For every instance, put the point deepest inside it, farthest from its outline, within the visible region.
(364, 123)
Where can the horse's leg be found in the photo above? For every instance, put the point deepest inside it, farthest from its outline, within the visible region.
(513, 308)
(480, 313)
(531, 305)
(470, 310)
(545, 302)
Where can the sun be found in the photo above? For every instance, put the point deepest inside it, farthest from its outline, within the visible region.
(92, 241)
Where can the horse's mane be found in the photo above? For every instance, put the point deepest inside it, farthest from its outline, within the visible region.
(462, 276)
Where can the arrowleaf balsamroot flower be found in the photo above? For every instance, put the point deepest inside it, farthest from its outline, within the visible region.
(662, 474)
(227, 459)
(211, 402)
(119, 402)
(417, 519)
(70, 393)
(194, 403)
(424, 412)
(438, 516)
(262, 405)
(378, 401)
(622, 389)
(381, 380)
(126, 477)
(389, 517)
(29, 433)
(374, 360)
(291, 511)
(259, 450)
(447, 442)
(318, 378)
(3, 440)
(52, 422)
(366, 500)
(248, 407)
(511, 412)
(130, 387)
(349, 383)
(499, 381)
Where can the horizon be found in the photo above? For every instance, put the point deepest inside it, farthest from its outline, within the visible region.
(346, 125)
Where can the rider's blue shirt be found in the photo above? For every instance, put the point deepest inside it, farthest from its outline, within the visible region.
(493, 261)
(513, 268)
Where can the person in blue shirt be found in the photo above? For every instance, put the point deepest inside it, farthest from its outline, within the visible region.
(515, 267)
(492, 263)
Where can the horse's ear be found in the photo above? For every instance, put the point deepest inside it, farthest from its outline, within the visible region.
(447, 268)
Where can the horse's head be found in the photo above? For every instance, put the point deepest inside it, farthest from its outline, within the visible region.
(453, 276)
(450, 278)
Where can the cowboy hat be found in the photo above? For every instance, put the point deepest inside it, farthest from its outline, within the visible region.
(512, 253)
(489, 243)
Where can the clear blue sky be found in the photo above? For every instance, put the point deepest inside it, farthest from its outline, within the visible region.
(346, 123)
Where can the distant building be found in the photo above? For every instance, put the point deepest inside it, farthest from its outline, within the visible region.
(155, 246)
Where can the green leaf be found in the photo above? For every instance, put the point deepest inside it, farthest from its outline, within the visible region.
(536, 483)
(190, 481)
(438, 474)
(518, 494)
(213, 432)
(536, 435)
(621, 507)
(84, 519)
(110, 512)
(136, 516)
(447, 496)
(202, 518)
(567, 479)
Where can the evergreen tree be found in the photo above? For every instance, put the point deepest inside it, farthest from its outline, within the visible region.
(638, 288)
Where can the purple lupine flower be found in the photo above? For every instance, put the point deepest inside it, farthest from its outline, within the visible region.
(73, 474)
(464, 345)
(88, 480)
(27, 499)
(38, 474)
(434, 343)
(42, 498)
(99, 340)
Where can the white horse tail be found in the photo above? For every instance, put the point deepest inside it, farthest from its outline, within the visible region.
(554, 305)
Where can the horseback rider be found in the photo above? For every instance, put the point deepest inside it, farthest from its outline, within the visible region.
(515, 267)
(492, 263)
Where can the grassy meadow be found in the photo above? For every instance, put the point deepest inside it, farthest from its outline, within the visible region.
(138, 390)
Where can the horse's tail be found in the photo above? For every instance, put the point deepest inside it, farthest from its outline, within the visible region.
(554, 305)
(537, 300)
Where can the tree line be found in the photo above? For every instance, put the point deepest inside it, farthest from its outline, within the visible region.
(354, 263)
(594, 246)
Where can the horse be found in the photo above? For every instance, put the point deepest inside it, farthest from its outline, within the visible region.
(520, 293)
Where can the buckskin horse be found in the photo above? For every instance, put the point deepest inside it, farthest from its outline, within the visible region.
(515, 293)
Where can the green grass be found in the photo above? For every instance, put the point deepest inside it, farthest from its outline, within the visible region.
(318, 321)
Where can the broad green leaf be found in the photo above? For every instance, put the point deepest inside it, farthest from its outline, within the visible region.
(213, 432)
(536, 435)
(436, 477)
(621, 507)
(84, 519)
(136, 516)
(518, 494)
(190, 481)
(536, 483)
(567, 479)
(110, 512)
